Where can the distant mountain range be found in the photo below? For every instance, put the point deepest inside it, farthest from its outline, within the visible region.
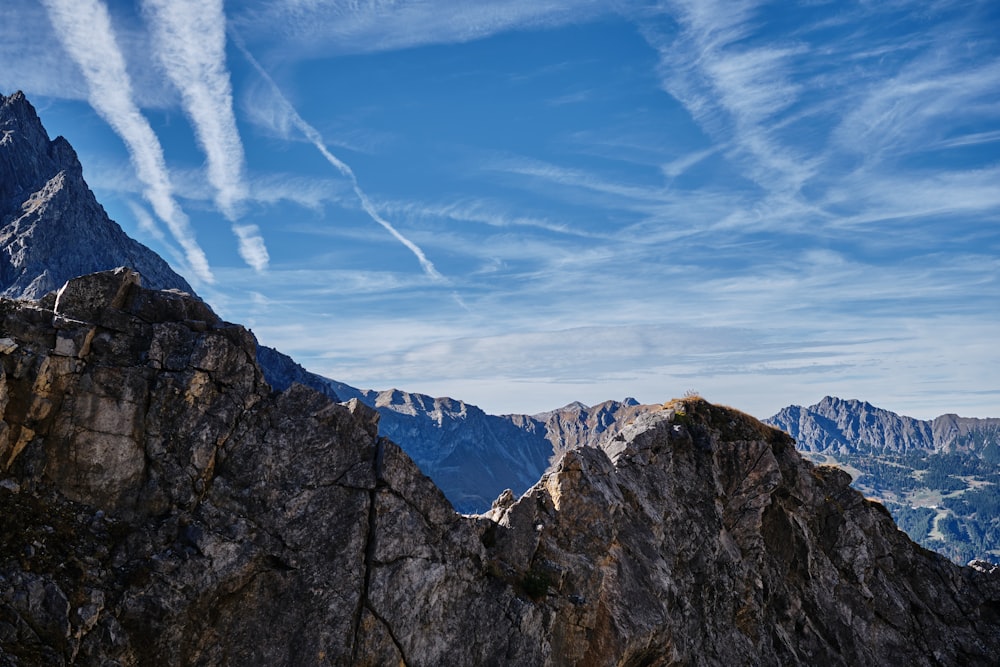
(939, 478)
(850, 427)
(473, 456)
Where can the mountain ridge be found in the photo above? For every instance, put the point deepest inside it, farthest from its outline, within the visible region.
(161, 504)
(52, 229)
(850, 425)
(472, 455)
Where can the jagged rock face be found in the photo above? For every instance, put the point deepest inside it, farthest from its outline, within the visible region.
(578, 425)
(159, 504)
(162, 506)
(855, 427)
(709, 541)
(51, 226)
(472, 456)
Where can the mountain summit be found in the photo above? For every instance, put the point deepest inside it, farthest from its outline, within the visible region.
(51, 226)
(161, 504)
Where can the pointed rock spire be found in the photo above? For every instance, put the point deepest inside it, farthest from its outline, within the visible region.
(52, 228)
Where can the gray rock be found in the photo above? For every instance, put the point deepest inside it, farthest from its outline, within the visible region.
(51, 226)
(169, 508)
(471, 455)
(839, 426)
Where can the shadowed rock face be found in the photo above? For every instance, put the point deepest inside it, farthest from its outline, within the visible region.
(160, 504)
(51, 226)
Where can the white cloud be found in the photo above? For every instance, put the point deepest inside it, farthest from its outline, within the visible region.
(306, 191)
(190, 40)
(85, 31)
(251, 247)
(874, 196)
(483, 212)
(347, 26)
(316, 139)
(734, 87)
(146, 222)
(904, 113)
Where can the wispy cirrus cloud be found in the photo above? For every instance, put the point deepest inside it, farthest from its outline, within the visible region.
(732, 86)
(780, 107)
(292, 118)
(190, 40)
(346, 26)
(909, 111)
(493, 214)
(84, 28)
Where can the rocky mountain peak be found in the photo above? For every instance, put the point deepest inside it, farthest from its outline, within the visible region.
(160, 504)
(847, 426)
(52, 228)
(28, 159)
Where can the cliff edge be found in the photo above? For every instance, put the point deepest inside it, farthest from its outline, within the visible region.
(161, 504)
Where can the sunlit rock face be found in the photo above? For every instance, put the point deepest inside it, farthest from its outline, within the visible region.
(149, 469)
(51, 226)
(161, 504)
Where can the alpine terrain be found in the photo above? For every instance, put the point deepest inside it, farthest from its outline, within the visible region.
(171, 493)
(51, 226)
(161, 504)
(939, 478)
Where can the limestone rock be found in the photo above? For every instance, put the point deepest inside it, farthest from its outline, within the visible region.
(471, 455)
(160, 504)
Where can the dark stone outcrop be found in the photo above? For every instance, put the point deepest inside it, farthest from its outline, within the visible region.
(147, 466)
(51, 226)
(160, 504)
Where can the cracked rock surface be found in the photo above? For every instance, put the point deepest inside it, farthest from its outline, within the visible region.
(160, 504)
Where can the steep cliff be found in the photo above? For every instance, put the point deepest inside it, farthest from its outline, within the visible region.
(51, 226)
(160, 504)
(471, 455)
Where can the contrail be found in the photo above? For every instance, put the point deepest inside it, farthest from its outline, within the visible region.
(316, 139)
(190, 41)
(84, 28)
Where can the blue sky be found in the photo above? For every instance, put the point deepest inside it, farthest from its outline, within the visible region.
(525, 203)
